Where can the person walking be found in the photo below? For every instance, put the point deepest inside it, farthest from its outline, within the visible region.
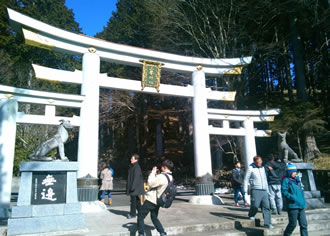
(238, 179)
(157, 184)
(107, 183)
(274, 173)
(135, 185)
(257, 178)
(293, 193)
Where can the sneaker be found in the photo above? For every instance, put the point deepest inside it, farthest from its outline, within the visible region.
(236, 204)
(246, 205)
(252, 218)
(270, 226)
(129, 216)
(274, 211)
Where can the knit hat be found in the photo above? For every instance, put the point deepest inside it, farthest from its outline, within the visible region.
(290, 168)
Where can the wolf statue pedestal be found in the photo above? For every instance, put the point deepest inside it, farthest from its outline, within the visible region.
(312, 195)
(47, 199)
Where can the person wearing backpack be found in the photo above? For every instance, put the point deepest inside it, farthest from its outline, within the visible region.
(158, 185)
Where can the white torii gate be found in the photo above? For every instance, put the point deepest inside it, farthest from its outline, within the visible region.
(39, 34)
(247, 131)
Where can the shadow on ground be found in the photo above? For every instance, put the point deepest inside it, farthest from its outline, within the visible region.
(119, 212)
(229, 216)
(132, 228)
(247, 230)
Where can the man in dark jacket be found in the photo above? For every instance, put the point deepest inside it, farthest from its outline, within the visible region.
(274, 171)
(238, 179)
(135, 185)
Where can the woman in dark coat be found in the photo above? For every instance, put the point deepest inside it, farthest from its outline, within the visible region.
(135, 185)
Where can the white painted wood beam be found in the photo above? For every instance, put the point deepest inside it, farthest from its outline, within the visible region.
(43, 101)
(42, 94)
(263, 133)
(45, 120)
(40, 97)
(237, 132)
(104, 81)
(50, 37)
(240, 118)
(271, 112)
(228, 132)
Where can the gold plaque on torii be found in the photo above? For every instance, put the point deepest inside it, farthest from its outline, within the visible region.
(151, 74)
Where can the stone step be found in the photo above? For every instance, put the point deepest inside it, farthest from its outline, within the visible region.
(320, 228)
(311, 215)
(252, 233)
(320, 225)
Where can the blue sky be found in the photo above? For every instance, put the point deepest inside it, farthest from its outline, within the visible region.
(92, 15)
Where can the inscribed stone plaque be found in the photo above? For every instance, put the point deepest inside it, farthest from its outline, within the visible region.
(48, 187)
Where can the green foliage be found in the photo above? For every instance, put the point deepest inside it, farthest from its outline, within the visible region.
(21, 56)
(301, 119)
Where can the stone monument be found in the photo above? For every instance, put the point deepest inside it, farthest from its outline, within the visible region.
(312, 195)
(47, 199)
(57, 141)
(285, 150)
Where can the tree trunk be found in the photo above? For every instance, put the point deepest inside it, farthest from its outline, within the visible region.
(299, 146)
(311, 149)
(298, 59)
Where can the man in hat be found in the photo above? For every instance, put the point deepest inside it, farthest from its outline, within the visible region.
(293, 193)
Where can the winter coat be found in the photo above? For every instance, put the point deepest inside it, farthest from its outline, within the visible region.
(274, 176)
(293, 193)
(135, 183)
(238, 177)
(257, 178)
(158, 184)
(107, 177)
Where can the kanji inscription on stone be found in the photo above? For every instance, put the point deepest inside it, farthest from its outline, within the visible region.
(48, 187)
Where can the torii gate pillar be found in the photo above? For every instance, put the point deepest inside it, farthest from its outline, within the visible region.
(249, 142)
(89, 116)
(202, 150)
(8, 110)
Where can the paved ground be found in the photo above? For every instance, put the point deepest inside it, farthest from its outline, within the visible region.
(181, 218)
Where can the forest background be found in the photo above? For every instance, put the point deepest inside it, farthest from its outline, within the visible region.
(288, 40)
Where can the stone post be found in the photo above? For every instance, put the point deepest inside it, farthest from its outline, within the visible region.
(249, 142)
(8, 111)
(89, 115)
(203, 162)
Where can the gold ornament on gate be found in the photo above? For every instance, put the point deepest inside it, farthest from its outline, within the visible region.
(151, 74)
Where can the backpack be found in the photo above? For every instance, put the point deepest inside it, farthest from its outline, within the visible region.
(166, 198)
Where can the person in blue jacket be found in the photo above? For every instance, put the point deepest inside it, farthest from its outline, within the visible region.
(293, 192)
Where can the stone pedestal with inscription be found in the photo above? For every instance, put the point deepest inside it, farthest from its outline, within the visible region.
(312, 195)
(47, 199)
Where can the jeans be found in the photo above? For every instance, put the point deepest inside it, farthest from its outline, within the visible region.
(135, 205)
(275, 197)
(104, 192)
(236, 191)
(294, 215)
(145, 209)
(259, 198)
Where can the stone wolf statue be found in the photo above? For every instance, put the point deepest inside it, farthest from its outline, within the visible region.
(285, 150)
(57, 141)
